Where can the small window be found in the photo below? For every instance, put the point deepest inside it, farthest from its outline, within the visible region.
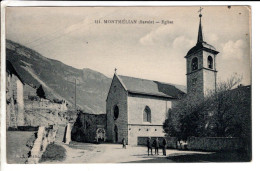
(147, 114)
(210, 62)
(194, 64)
(116, 112)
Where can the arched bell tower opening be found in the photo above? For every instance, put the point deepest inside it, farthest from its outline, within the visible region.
(210, 62)
(201, 67)
(194, 64)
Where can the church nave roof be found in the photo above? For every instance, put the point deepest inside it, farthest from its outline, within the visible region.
(150, 87)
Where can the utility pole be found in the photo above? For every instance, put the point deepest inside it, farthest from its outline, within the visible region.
(75, 95)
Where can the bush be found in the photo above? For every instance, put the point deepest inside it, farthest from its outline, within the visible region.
(53, 152)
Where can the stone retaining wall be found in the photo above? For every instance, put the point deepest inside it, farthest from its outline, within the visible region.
(214, 143)
(45, 136)
(44, 104)
(200, 143)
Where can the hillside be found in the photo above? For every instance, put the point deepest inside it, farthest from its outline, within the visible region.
(58, 79)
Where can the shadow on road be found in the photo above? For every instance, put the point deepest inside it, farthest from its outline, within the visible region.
(235, 156)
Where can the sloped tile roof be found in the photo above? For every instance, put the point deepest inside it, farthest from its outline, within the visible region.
(10, 69)
(202, 45)
(150, 87)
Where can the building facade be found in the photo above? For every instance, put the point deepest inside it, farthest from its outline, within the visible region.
(14, 97)
(138, 107)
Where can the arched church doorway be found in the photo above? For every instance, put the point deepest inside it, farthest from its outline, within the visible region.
(116, 133)
(101, 135)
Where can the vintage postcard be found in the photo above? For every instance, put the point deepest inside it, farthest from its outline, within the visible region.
(127, 84)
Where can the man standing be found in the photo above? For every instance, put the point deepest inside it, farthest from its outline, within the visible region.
(124, 143)
(164, 146)
(149, 145)
(156, 146)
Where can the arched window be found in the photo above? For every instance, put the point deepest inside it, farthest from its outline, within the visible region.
(147, 114)
(210, 62)
(116, 112)
(194, 64)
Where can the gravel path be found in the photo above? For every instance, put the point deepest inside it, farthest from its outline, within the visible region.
(78, 152)
(114, 153)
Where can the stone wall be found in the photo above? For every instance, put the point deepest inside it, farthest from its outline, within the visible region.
(214, 143)
(45, 136)
(117, 96)
(44, 117)
(45, 104)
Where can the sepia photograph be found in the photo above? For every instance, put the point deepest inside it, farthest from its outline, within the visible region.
(130, 84)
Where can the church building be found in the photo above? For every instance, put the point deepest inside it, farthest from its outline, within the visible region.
(138, 108)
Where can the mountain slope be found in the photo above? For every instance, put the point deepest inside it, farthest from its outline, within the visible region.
(58, 79)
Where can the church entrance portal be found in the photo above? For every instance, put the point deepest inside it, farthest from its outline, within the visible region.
(100, 135)
(116, 133)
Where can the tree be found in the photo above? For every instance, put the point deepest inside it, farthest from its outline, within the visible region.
(186, 118)
(40, 92)
(224, 112)
(224, 104)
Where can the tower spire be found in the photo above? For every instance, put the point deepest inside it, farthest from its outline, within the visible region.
(200, 36)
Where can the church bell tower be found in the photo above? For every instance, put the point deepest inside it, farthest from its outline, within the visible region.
(201, 66)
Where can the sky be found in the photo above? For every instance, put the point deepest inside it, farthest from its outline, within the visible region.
(149, 51)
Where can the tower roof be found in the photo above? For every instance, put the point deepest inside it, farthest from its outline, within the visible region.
(200, 36)
(201, 44)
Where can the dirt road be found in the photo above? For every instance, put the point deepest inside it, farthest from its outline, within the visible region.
(114, 153)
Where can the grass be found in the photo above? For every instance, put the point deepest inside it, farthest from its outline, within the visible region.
(53, 152)
(17, 151)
